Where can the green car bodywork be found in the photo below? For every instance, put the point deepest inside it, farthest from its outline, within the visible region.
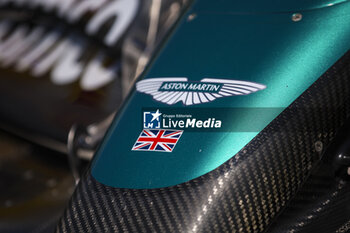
(284, 45)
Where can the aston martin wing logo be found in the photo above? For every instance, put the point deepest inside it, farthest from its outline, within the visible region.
(173, 90)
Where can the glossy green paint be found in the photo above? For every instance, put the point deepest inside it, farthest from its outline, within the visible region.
(263, 6)
(269, 48)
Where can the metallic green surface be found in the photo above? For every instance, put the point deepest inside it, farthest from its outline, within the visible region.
(270, 49)
(263, 6)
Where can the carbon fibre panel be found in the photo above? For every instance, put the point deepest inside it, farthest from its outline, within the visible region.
(321, 205)
(245, 194)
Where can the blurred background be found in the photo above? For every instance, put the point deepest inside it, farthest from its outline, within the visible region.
(65, 68)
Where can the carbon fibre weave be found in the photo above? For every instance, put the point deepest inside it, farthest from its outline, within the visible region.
(321, 205)
(243, 195)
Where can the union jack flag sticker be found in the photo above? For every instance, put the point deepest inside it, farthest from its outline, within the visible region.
(157, 140)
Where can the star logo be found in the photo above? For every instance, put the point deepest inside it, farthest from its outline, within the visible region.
(156, 115)
(151, 120)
